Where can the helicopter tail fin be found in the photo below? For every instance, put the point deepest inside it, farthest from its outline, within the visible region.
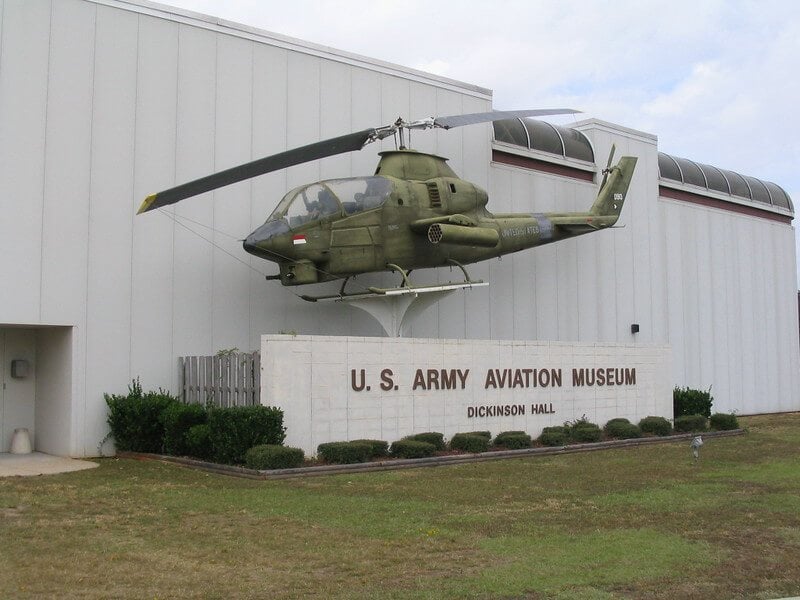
(614, 188)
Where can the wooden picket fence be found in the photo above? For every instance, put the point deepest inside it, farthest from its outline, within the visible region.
(228, 380)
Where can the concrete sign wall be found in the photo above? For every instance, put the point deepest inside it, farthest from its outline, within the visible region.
(344, 388)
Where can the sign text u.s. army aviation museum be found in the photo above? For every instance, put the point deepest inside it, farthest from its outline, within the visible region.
(341, 388)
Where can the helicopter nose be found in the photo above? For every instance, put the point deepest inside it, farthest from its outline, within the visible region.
(266, 241)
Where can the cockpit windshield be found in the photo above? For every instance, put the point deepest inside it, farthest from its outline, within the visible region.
(319, 200)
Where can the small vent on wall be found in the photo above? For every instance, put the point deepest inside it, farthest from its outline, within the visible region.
(433, 194)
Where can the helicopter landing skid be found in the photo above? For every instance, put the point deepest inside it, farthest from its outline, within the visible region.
(394, 308)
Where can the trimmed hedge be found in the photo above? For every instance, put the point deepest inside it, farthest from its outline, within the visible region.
(583, 432)
(178, 419)
(431, 437)
(198, 442)
(136, 419)
(513, 440)
(622, 429)
(408, 448)
(486, 434)
(553, 438)
(614, 423)
(379, 447)
(686, 401)
(345, 453)
(469, 442)
(555, 429)
(236, 429)
(655, 425)
(272, 456)
(723, 421)
(689, 423)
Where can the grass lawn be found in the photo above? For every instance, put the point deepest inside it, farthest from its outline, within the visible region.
(630, 523)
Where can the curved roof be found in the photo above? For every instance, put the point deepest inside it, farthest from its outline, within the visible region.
(714, 179)
(544, 137)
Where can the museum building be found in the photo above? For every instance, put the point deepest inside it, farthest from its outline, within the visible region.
(103, 102)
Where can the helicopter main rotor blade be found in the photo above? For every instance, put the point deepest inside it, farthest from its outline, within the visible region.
(497, 115)
(296, 156)
(339, 145)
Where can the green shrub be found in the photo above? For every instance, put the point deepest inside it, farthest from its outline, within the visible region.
(408, 448)
(178, 419)
(236, 429)
(585, 432)
(724, 421)
(198, 442)
(622, 429)
(553, 438)
(379, 447)
(513, 440)
(486, 434)
(655, 425)
(613, 423)
(345, 453)
(469, 442)
(136, 419)
(686, 401)
(552, 429)
(431, 437)
(272, 456)
(688, 423)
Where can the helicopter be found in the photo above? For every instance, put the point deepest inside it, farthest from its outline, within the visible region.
(414, 212)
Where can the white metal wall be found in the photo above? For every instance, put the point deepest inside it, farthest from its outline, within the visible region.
(103, 102)
(732, 299)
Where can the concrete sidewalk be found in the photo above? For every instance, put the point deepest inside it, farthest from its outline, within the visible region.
(36, 463)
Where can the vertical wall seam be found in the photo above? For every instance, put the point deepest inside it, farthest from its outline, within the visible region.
(44, 158)
(84, 435)
(213, 193)
(173, 209)
(133, 193)
(251, 224)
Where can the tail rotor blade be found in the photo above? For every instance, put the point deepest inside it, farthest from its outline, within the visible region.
(608, 165)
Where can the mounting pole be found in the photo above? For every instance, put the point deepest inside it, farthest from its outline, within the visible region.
(395, 308)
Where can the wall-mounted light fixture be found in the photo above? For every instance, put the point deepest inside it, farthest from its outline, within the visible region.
(20, 368)
(634, 328)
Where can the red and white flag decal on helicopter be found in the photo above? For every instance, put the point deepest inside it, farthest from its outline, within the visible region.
(298, 239)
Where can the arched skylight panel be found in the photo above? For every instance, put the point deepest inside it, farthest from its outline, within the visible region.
(668, 168)
(760, 191)
(715, 179)
(779, 196)
(691, 173)
(738, 185)
(511, 131)
(544, 137)
(576, 145)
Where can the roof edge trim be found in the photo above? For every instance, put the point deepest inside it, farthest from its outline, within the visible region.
(204, 21)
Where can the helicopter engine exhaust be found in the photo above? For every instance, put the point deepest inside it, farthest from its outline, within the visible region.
(463, 236)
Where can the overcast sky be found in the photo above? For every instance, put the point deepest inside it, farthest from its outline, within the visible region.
(716, 80)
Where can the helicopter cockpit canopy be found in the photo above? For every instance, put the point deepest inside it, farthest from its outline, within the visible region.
(317, 201)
